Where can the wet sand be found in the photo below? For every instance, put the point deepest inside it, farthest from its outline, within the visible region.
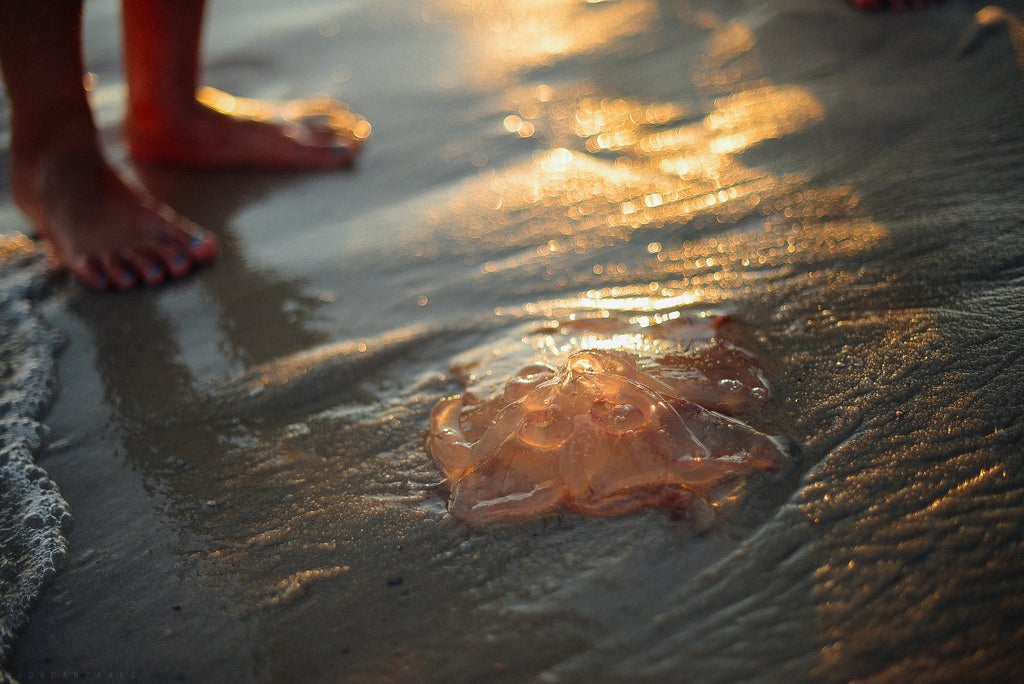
(845, 186)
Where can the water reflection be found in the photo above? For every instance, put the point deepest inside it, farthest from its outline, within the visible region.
(507, 35)
(624, 166)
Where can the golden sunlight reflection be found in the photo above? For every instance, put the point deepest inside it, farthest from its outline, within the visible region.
(650, 165)
(730, 62)
(675, 177)
(605, 309)
(614, 166)
(512, 34)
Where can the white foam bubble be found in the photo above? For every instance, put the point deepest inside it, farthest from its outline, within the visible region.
(33, 515)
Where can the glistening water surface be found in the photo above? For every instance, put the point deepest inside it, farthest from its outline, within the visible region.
(842, 187)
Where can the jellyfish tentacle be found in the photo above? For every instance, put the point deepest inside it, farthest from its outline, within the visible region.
(446, 441)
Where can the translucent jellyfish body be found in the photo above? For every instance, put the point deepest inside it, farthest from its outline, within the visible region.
(606, 432)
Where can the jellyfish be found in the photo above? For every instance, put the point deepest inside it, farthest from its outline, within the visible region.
(606, 432)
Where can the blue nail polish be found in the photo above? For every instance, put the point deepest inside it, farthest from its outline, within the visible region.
(196, 239)
(154, 271)
(101, 280)
(179, 260)
(127, 277)
(339, 149)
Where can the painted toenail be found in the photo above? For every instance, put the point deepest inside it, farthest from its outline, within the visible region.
(127, 277)
(196, 239)
(339, 149)
(101, 280)
(179, 260)
(154, 271)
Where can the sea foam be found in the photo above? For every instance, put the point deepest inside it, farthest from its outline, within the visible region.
(33, 515)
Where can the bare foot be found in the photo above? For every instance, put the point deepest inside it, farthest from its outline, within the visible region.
(872, 5)
(218, 130)
(104, 231)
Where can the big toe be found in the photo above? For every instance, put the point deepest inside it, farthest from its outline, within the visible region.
(202, 246)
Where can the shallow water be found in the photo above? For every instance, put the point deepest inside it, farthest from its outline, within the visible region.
(244, 452)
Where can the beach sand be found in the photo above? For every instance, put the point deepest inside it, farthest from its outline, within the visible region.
(243, 451)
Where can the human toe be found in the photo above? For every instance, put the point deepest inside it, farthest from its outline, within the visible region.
(118, 271)
(144, 267)
(151, 272)
(91, 276)
(123, 278)
(202, 246)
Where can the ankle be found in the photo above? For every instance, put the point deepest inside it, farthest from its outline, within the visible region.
(163, 115)
(34, 136)
(41, 165)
